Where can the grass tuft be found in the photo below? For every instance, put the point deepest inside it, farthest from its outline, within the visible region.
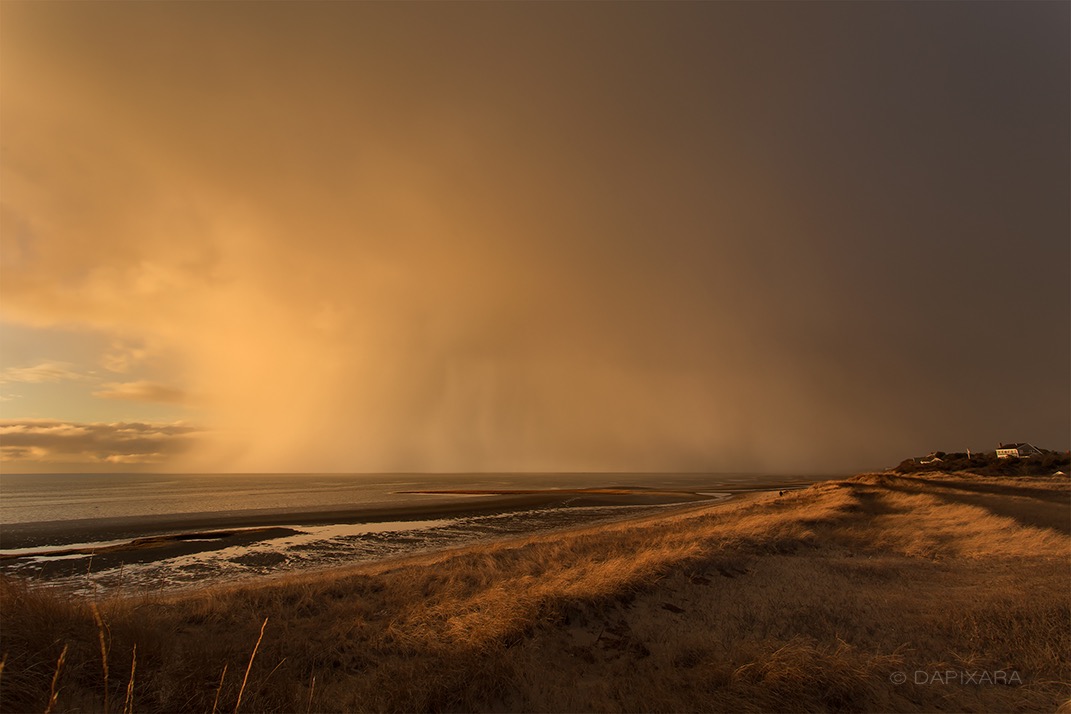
(249, 666)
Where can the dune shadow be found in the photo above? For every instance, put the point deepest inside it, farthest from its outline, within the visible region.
(871, 500)
(1026, 491)
(1028, 507)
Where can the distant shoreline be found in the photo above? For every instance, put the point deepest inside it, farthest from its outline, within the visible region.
(170, 549)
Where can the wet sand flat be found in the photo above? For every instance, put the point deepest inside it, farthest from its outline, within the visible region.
(59, 548)
(55, 561)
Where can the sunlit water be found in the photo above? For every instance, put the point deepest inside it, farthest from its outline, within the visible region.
(57, 499)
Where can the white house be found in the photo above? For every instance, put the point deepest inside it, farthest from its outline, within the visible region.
(1017, 451)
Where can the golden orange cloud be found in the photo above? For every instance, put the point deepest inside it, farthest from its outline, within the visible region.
(141, 390)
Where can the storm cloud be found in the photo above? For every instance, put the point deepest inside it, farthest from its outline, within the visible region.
(457, 237)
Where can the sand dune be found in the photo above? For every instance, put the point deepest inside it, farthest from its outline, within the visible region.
(878, 593)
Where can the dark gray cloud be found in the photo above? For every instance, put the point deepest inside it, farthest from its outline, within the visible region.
(36, 441)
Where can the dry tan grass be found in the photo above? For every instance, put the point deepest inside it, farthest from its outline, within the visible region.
(807, 602)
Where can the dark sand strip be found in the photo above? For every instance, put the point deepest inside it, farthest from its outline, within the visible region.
(206, 540)
(636, 496)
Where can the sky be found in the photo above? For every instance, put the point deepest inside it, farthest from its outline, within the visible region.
(453, 237)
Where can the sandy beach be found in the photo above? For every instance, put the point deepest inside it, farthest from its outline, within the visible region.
(58, 548)
(876, 593)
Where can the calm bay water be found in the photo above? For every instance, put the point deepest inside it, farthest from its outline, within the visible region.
(26, 498)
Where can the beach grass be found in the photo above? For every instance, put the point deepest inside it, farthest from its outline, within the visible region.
(877, 593)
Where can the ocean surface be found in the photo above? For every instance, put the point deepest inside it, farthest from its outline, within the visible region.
(50, 504)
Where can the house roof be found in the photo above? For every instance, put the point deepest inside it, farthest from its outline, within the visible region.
(1018, 445)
